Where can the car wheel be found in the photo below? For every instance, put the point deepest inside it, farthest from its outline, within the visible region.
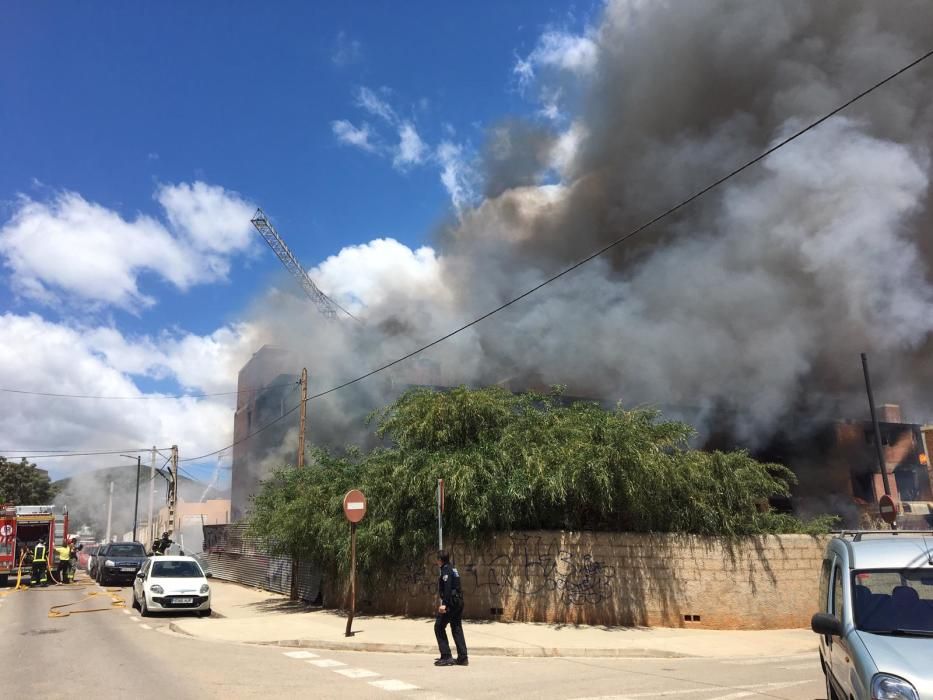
(204, 613)
(143, 608)
(135, 602)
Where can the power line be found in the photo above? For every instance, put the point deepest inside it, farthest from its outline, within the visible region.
(140, 398)
(631, 234)
(244, 439)
(64, 453)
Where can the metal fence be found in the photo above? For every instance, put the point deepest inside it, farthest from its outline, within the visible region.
(232, 555)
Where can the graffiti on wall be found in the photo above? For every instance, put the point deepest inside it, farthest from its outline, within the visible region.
(529, 567)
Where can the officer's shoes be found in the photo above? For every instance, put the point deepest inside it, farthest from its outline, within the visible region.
(448, 661)
(465, 661)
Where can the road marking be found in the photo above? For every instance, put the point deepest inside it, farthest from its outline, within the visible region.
(146, 627)
(810, 666)
(326, 663)
(300, 655)
(705, 689)
(134, 619)
(393, 685)
(768, 660)
(125, 611)
(356, 673)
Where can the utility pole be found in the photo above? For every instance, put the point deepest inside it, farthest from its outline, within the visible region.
(302, 417)
(136, 502)
(109, 510)
(139, 464)
(173, 492)
(879, 450)
(152, 473)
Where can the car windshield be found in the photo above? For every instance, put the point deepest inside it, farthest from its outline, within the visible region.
(126, 550)
(176, 569)
(894, 601)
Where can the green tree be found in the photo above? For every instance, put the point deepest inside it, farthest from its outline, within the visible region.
(22, 483)
(512, 461)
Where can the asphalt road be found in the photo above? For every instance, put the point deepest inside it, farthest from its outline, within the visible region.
(115, 653)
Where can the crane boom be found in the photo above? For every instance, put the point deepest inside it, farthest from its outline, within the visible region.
(327, 306)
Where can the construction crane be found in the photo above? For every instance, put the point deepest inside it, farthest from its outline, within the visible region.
(327, 306)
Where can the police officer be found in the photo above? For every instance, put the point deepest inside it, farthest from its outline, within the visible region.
(450, 611)
(39, 565)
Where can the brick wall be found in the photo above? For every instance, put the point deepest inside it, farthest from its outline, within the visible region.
(619, 579)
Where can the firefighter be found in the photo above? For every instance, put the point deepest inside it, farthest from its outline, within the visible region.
(40, 567)
(73, 557)
(161, 546)
(64, 562)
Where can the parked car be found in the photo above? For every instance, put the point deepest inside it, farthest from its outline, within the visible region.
(118, 561)
(84, 556)
(168, 584)
(876, 616)
(93, 560)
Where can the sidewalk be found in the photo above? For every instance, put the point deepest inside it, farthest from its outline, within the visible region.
(251, 616)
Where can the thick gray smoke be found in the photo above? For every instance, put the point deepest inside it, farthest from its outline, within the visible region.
(756, 300)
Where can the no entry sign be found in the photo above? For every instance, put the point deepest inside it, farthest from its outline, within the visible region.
(887, 508)
(354, 506)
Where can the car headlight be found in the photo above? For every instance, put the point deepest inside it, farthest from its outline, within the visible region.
(204, 589)
(109, 562)
(156, 588)
(886, 687)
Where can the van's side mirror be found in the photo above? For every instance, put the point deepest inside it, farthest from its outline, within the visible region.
(208, 575)
(824, 623)
(140, 574)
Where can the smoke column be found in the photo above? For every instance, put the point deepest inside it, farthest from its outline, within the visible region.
(752, 303)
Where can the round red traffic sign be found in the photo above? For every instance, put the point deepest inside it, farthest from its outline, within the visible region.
(887, 508)
(354, 505)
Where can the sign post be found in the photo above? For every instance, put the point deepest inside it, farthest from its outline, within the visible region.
(354, 508)
(888, 510)
(440, 514)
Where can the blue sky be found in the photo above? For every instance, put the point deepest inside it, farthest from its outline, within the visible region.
(118, 104)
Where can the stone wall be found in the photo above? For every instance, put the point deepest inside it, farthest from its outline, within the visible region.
(767, 582)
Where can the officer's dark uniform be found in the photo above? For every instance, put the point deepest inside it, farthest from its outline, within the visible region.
(447, 584)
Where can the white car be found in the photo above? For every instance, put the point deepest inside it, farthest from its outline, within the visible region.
(168, 584)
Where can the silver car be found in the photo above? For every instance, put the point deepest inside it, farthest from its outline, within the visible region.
(876, 616)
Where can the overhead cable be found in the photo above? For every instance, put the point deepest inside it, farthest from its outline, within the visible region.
(159, 397)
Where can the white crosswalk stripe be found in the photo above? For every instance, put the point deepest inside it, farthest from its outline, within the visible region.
(393, 685)
(326, 663)
(356, 673)
(300, 655)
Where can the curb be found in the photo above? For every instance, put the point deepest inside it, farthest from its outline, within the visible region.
(526, 652)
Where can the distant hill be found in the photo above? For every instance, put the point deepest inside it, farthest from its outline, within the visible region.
(86, 496)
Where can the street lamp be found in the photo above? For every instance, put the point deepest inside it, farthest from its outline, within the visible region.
(136, 506)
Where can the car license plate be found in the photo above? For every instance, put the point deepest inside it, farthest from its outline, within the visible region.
(128, 568)
(184, 601)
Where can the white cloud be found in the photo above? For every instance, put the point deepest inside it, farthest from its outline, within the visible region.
(211, 218)
(565, 149)
(375, 105)
(352, 135)
(411, 149)
(366, 275)
(572, 53)
(456, 174)
(102, 361)
(75, 251)
(346, 50)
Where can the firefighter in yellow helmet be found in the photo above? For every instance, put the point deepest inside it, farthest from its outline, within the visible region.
(40, 567)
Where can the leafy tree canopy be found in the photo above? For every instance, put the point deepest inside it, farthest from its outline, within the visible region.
(511, 461)
(22, 483)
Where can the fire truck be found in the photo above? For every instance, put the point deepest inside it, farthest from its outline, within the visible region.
(21, 527)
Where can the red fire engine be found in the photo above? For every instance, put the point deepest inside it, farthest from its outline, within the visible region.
(21, 527)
